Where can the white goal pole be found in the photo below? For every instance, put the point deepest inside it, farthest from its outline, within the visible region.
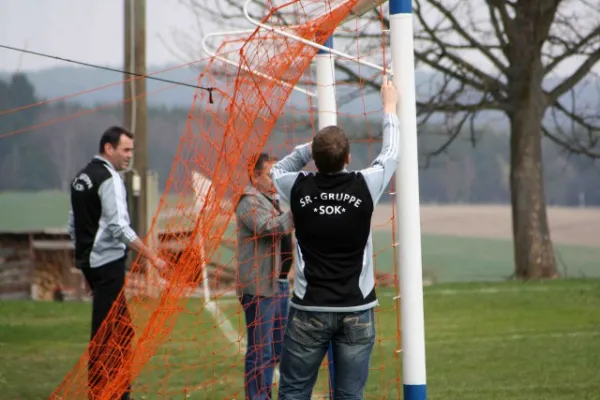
(327, 116)
(408, 221)
(326, 102)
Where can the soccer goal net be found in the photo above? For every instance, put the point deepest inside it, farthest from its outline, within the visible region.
(272, 86)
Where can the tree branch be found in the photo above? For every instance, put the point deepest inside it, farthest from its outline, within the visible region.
(494, 5)
(487, 82)
(572, 50)
(577, 76)
(571, 147)
(457, 27)
(471, 56)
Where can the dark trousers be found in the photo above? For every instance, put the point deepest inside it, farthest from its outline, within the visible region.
(110, 347)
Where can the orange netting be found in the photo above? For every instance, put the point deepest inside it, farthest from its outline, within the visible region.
(181, 333)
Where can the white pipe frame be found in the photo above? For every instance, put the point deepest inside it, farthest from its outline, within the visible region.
(360, 8)
(212, 53)
(326, 99)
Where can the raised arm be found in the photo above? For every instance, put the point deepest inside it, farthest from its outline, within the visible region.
(382, 169)
(285, 172)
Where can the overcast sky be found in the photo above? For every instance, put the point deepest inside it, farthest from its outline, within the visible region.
(92, 31)
(86, 30)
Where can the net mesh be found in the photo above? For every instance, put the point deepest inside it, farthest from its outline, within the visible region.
(180, 333)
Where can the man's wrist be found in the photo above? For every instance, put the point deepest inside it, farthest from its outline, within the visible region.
(148, 253)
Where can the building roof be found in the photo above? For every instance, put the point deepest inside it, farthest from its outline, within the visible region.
(35, 211)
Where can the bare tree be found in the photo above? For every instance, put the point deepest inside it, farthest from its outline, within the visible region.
(522, 43)
(495, 56)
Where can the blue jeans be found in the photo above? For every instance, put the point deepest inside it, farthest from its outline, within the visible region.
(266, 318)
(305, 344)
(282, 308)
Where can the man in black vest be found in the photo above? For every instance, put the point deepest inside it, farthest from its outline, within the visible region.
(99, 227)
(334, 288)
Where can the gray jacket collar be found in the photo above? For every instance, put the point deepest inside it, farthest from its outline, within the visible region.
(108, 163)
(253, 191)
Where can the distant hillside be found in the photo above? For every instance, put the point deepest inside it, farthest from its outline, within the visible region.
(61, 81)
(55, 140)
(67, 80)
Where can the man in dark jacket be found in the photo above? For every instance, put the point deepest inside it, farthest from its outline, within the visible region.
(334, 283)
(99, 227)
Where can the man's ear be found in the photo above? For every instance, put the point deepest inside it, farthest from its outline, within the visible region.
(348, 159)
(252, 178)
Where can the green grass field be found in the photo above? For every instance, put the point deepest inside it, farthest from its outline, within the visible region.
(533, 341)
(458, 259)
(502, 340)
(448, 259)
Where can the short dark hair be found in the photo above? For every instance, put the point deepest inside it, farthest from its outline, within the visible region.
(112, 136)
(330, 149)
(259, 164)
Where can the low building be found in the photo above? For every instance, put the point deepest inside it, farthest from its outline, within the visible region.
(36, 254)
(37, 260)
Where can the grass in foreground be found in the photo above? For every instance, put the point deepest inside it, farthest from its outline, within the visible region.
(534, 341)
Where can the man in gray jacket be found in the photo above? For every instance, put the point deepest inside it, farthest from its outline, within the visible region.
(263, 247)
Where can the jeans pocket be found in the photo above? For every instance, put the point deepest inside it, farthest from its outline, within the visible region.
(360, 327)
(304, 327)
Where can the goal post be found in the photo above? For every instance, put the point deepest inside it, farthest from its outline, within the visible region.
(327, 116)
(410, 269)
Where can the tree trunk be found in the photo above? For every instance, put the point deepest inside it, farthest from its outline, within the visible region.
(534, 253)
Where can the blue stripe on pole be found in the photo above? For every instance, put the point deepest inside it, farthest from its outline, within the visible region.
(415, 392)
(400, 7)
(328, 43)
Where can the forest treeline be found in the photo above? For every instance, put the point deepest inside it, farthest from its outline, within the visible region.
(42, 147)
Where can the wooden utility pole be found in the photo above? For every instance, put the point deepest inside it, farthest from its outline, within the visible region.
(135, 115)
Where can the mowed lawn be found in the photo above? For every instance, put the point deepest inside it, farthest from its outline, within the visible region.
(450, 259)
(518, 341)
(460, 259)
